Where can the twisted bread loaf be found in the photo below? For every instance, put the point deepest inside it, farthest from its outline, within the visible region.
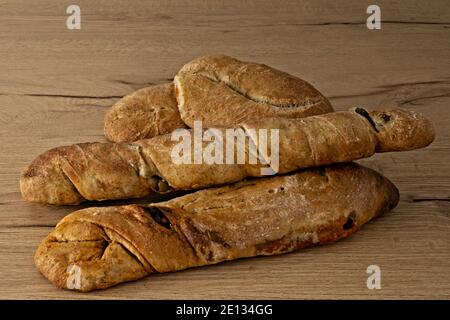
(220, 91)
(96, 248)
(99, 171)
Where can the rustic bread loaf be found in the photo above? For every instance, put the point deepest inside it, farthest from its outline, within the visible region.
(96, 248)
(218, 90)
(145, 113)
(100, 171)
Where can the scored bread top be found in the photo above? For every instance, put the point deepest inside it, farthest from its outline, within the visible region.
(219, 91)
(222, 91)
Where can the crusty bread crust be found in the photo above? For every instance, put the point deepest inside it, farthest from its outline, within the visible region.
(110, 245)
(218, 90)
(100, 171)
(401, 130)
(223, 91)
(145, 113)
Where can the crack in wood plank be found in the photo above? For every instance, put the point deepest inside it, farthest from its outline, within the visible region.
(47, 95)
(350, 23)
(387, 22)
(131, 83)
(17, 226)
(431, 82)
(429, 199)
(393, 87)
(411, 101)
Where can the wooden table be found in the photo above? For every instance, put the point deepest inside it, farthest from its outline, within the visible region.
(56, 85)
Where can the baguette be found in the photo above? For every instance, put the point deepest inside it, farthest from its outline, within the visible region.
(101, 171)
(220, 91)
(96, 248)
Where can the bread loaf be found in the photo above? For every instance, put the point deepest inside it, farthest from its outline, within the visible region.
(145, 113)
(100, 171)
(218, 90)
(96, 248)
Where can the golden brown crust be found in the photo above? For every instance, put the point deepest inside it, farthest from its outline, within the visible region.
(104, 261)
(100, 171)
(88, 171)
(145, 113)
(218, 90)
(275, 215)
(402, 130)
(223, 91)
(318, 140)
(43, 180)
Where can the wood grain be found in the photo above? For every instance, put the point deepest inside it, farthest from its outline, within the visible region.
(56, 85)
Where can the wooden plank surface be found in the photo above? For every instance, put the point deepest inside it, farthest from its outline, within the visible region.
(56, 85)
